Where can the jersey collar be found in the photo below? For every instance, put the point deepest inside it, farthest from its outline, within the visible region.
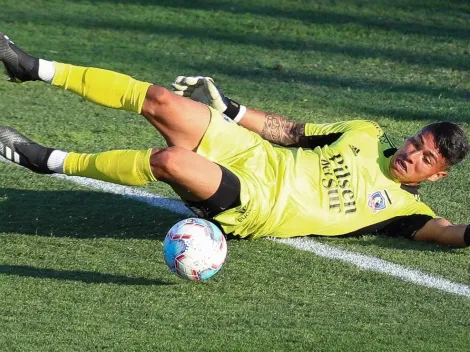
(411, 189)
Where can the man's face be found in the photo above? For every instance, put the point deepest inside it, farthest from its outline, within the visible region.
(418, 160)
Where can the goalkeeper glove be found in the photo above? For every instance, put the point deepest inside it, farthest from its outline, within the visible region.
(204, 90)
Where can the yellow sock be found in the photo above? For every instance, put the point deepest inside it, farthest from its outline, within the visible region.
(125, 167)
(103, 87)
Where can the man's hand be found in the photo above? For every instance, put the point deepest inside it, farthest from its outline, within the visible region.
(201, 89)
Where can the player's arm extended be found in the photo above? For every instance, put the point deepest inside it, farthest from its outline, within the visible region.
(441, 231)
(271, 127)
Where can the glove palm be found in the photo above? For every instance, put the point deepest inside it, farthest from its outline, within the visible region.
(201, 89)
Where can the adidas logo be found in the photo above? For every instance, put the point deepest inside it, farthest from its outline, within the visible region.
(354, 149)
(13, 156)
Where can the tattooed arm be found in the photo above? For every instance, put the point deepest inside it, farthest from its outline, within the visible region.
(273, 127)
(278, 130)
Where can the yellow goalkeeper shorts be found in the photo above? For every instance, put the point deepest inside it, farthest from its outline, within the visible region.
(255, 162)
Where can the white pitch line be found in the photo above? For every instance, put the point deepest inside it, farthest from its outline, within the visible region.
(375, 264)
(303, 243)
(152, 199)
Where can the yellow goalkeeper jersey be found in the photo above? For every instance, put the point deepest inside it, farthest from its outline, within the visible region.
(343, 185)
(338, 183)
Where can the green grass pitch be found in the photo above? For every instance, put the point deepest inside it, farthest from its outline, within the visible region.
(82, 270)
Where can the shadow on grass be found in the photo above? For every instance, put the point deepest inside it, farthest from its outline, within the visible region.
(273, 41)
(263, 74)
(81, 214)
(369, 107)
(408, 114)
(73, 275)
(317, 15)
(396, 243)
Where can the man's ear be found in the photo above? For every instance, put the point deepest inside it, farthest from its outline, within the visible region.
(437, 176)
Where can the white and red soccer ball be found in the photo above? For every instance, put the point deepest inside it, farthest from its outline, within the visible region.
(195, 249)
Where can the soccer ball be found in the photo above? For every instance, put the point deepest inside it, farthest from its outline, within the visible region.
(194, 249)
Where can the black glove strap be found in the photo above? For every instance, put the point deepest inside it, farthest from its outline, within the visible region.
(233, 108)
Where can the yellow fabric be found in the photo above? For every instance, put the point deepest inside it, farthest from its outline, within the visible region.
(331, 190)
(125, 167)
(103, 87)
(313, 129)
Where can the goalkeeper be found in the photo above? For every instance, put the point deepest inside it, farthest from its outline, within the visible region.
(337, 179)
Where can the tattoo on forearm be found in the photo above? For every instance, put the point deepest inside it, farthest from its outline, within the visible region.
(278, 130)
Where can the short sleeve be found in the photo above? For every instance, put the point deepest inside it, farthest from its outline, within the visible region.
(405, 226)
(319, 135)
(312, 129)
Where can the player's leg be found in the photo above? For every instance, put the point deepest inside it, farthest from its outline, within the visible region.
(181, 121)
(207, 186)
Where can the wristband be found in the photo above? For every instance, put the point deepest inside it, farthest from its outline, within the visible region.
(466, 236)
(240, 114)
(235, 111)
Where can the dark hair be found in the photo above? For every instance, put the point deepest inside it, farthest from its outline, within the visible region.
(450, 140)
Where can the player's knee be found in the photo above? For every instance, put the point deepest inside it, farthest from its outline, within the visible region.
(167, 163)
(156, 98)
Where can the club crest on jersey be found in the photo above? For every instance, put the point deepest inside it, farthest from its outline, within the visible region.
(377, 201)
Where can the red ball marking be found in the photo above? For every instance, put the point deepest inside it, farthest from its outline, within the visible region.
(177, 236)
